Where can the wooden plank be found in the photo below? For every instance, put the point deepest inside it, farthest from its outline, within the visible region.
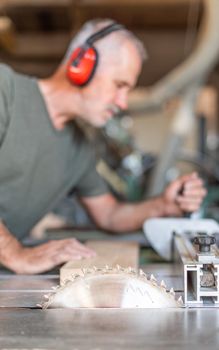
(109, 253)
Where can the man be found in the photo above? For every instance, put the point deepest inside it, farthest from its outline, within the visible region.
(43, 156)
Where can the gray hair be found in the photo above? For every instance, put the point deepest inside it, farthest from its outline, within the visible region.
(94, 26)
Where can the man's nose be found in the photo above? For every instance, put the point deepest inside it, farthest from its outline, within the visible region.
(122, 101)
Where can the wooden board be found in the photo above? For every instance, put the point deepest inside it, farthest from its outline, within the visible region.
(109, 253)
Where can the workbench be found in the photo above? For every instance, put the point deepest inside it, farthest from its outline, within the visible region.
(23, 325)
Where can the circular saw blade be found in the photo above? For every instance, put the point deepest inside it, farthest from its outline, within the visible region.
(111, 288)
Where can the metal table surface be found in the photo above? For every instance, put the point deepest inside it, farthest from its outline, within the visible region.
(24, 326)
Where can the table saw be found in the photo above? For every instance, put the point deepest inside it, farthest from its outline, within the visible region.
(23, 325)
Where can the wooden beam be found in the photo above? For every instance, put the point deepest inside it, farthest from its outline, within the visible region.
(111, 253)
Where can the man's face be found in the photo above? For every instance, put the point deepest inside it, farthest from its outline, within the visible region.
(108, 91)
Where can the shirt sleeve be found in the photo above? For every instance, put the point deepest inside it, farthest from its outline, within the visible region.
(5, 97)
(91, 184)
(3, 118)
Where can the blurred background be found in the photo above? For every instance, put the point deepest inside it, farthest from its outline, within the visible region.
(173, 123)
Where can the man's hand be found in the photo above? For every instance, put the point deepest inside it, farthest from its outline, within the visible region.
(184, 194)
(48, 255)
(39, 259)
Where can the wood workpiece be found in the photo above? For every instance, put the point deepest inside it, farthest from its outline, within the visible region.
(125, 254)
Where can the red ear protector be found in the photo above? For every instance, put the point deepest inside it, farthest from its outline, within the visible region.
(84, 59)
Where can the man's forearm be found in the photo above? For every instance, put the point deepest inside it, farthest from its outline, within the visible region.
(130, 216)
(8, 245)
(112, 215)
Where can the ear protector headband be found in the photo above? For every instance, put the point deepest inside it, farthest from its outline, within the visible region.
(84, 59)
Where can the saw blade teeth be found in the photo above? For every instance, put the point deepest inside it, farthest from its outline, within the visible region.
(73, 276)
(55, 287)
(118, 267)
(163, 285)
(106, 269)
(98, 270)
(172, 292)
(131, 270)
(142, 273)
(180, 300)
(45, 305)
(153, 279)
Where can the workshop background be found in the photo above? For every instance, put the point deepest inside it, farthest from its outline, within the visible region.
(143, 149)
(171, 127)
